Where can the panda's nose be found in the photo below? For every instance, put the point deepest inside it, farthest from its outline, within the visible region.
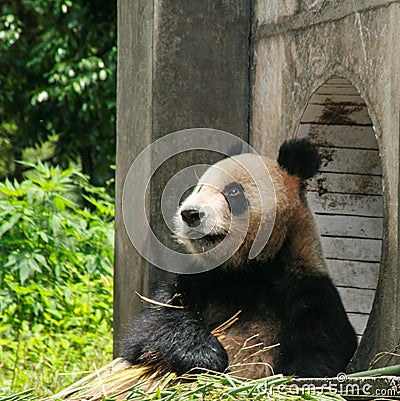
(192, 217)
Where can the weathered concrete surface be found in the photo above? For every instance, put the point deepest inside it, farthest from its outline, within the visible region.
(357, 40)
(134, 122)
(273, 11)
(274, 17)
(186, 64)
(181, 64)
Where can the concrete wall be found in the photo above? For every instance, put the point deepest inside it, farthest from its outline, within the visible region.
(181, 64)
(298, 45)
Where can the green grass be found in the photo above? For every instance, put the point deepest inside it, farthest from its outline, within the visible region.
(56, 257)
(117, 382)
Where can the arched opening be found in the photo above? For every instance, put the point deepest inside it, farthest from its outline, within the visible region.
(346, 194)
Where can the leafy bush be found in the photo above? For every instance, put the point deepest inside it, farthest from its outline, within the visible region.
(57, 74)
(56, 255)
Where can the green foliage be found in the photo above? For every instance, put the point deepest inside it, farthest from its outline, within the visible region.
(150, 385)
(56, 255)
(57, 79)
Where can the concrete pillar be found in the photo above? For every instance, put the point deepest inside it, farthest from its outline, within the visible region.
(181, 64)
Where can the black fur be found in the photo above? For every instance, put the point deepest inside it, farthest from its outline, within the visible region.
(173, 339)
(316, 337)
(238, 148)
(318, 340)
(299, 157)
(235, 198)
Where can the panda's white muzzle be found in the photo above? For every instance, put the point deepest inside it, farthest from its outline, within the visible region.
(196, 222)
(192, 217)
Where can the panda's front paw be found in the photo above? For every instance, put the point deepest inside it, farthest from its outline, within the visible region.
(173, 340)
(199, 358)
(194, 355)
(138, 352)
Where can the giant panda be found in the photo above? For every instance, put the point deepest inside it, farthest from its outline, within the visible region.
(288, 315)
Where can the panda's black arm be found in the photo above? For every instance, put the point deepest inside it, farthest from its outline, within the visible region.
(318, 339)
(173, 339)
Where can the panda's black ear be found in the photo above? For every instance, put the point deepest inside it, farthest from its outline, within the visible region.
(299, 157)
(238, 148)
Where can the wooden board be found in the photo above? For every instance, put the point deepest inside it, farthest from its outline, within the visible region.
(354, 249)
(342, 136)
(346, 183)
(346, 204)
(353, 226)
(359, 321)
(337, 89)
(337, 113)
(347, 273)
(350, 160)
(357, 300)
(329, 98)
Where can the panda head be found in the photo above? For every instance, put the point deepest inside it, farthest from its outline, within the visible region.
(242, 206)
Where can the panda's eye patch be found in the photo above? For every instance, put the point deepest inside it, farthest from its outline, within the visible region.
(236, 198)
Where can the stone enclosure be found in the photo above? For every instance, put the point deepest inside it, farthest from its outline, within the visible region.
(266, 71)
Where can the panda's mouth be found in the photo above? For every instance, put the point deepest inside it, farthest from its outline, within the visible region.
(214, 238)
(209, 240)
(195, 235)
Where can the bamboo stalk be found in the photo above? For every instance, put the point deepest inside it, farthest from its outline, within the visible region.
(386, 371)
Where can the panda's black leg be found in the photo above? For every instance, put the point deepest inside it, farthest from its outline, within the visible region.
(173, 339)
(318, 339)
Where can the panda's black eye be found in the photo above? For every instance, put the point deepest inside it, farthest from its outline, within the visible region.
(236, 198)
(233, 192)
